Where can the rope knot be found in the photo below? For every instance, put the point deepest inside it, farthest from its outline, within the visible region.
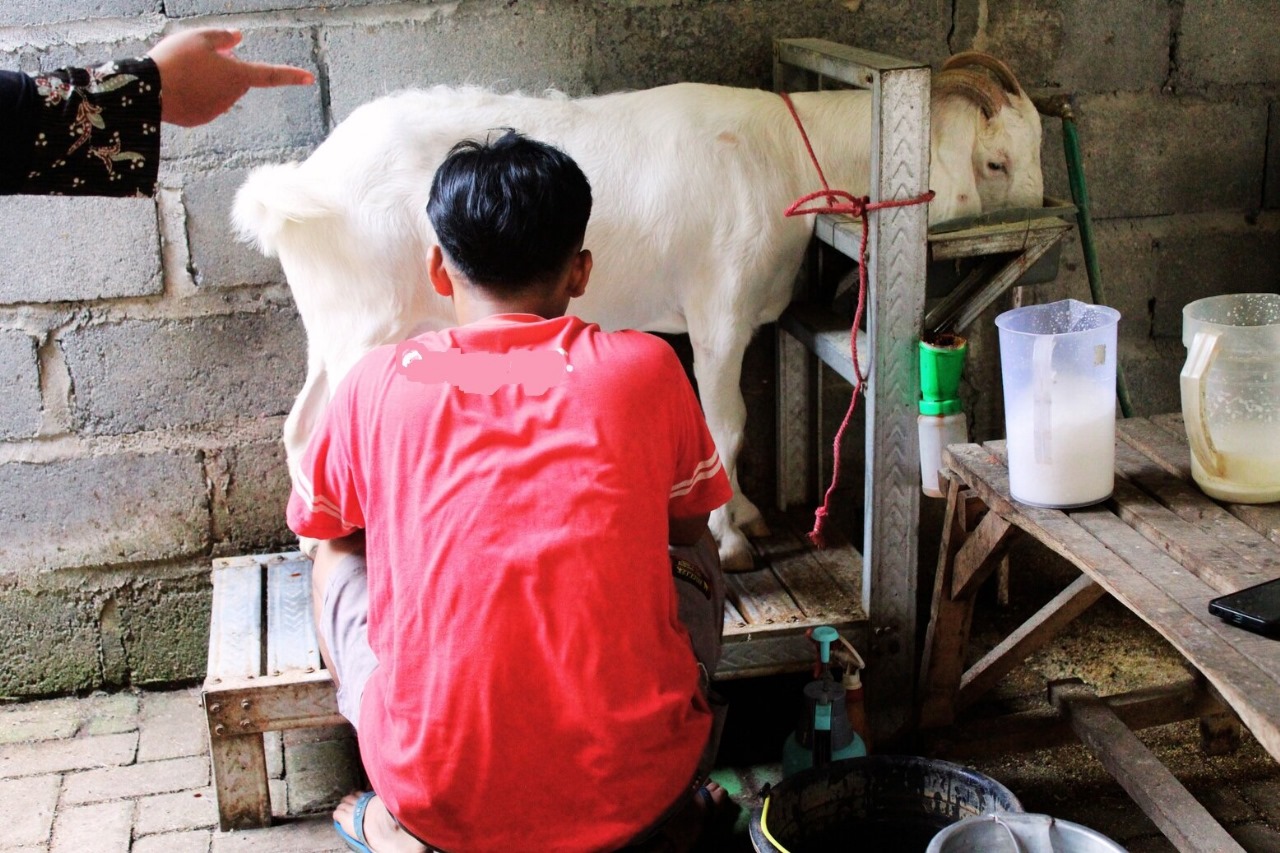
(856, 206)
(818, 534)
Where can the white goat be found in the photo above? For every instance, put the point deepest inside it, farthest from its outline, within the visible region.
(687, 230)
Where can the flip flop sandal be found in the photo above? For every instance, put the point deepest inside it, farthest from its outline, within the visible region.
(712, 812)
(360, 844)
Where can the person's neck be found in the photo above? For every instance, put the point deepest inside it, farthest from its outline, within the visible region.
(477, 305)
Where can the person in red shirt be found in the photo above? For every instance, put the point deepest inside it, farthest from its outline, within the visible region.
(517, 593)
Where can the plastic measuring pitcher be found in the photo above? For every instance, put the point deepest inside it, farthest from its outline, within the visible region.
(1058, 363)
(1231, 395)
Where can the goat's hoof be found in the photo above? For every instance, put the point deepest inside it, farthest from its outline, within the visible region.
(756, 528)
(738, 559)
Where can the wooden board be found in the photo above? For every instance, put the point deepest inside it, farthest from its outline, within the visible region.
(1198, 552)
(1214, 527)
(1031, 636)
(1045, 727)
(272, 703)
(264, 675)
(240, 782)
(1163, 439)
(1156, 791)
(1244, 668)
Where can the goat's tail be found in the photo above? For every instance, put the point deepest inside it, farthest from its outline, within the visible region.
(273, 197)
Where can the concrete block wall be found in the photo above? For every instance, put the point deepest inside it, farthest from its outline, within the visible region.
(147, 359)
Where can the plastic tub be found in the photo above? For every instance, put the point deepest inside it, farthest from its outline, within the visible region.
(880, 802)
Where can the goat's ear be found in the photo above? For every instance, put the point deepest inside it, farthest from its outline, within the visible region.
(441, 281)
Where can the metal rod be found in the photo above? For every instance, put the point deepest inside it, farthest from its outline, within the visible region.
(1080, 195)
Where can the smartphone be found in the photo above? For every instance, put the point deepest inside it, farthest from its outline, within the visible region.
(1255, 608)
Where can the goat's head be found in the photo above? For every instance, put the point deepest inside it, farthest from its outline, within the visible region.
(1003, 152)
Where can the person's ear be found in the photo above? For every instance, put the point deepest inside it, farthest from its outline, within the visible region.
(579, 273)
(441, 282)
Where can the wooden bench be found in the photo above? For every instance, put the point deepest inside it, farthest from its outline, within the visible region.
(265, 674)
(1161, 548)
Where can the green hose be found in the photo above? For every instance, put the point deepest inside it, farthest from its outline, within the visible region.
(1080, 195)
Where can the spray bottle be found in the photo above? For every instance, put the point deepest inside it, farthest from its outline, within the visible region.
(854, 702)
(823, 734)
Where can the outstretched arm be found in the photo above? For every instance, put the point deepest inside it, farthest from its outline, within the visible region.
(201, 79)
(96, 131)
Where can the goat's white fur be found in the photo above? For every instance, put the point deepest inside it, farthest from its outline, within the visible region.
(687, 231)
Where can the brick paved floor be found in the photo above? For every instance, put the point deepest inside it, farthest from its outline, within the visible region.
(126, 773)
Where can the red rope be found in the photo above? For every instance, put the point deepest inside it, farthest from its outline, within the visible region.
(853, 206)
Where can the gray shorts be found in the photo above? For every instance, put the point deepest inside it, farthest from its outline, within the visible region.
(344, 625)
(344, 621)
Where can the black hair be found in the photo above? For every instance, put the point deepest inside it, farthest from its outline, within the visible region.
(509, 212)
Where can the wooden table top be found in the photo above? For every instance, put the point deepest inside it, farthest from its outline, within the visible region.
(1163, 548)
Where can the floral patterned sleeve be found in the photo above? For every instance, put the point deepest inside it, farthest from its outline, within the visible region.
(94, 131)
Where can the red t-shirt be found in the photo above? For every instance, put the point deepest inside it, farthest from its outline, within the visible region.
(535, 688)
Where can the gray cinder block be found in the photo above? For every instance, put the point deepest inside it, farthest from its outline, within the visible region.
(1079, 45)
(152, 374)
(1152, 266)
(19, 385)
(508, 47)
(50, 642)
(1271, 192)
(64, 249)
(1147, 154)
(218, 258)
(250, 499)
(98, 510)
(22, 13)
(167, 622)
(731, 43)
(183, 8)
(1229, 41)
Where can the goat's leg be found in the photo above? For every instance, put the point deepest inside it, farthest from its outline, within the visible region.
(717, 364)
(303, 419)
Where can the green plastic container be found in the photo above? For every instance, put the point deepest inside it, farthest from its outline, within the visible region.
(941, 363)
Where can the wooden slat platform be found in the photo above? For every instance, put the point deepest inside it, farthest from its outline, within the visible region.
(1160, 547)
(769, 610)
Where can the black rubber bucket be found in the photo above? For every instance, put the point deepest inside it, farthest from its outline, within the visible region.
(881, 802)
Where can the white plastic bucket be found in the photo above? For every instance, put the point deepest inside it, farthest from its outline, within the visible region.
(1020, 833)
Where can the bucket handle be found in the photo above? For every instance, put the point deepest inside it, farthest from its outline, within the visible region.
(764, 822)
(1013, 836)
(1200, 357)
(1042, 398)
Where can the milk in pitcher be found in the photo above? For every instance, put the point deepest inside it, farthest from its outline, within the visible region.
(1077, 466)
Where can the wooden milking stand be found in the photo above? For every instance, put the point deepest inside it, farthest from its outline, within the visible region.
(897, 255)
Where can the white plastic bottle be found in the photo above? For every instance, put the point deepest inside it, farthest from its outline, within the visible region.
(936, 432)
